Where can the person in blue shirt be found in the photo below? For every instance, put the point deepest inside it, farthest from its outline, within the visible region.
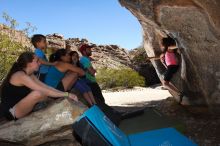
(63, 75)
(86, 64)
(40, 44)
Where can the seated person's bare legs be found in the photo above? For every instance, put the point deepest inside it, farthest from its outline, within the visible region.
(25, 106)
(88, 99)
(69, 79)
(92, 97)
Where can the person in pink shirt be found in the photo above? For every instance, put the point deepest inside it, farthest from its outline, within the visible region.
(170, 60)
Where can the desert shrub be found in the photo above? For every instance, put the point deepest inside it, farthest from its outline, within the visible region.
(9, 51)
(125, 77)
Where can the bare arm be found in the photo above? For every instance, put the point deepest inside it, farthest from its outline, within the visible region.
(46, 62)
(74, 69)
(32, 84)
(91, 70)
(162, 59)
(153, 58)
(70, 95)
(42, 84)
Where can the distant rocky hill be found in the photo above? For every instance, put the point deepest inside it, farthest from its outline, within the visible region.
(111, 56)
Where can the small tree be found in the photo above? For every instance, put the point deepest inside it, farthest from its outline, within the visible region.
(29, 28)
(9, 51)
(11, 22)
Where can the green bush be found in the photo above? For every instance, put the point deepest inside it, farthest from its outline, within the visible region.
(9, 51)
(111, 78)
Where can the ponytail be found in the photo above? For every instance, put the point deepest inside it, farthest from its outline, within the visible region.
(52, 58)
(57, 55)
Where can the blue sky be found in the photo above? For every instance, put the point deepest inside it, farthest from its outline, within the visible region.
(99, 21)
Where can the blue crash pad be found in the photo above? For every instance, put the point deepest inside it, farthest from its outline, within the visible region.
(159, 137)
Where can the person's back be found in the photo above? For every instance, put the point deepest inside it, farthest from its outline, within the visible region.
(53, 77)
(62, 75)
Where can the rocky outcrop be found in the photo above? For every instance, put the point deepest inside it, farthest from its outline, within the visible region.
(15, 35)
(55, 41)
(111, 56)
(50, 125)
(74, 43)
(196, 26)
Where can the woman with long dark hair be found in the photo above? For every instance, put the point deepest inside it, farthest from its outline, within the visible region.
(63, 75)
(21, 90)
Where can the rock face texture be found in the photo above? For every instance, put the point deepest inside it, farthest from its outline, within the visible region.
(48, 125)
(196, 26)
(15, 35)
(55, 41)
(111, 56)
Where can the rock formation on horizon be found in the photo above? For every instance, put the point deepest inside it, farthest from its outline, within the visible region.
(111, 56)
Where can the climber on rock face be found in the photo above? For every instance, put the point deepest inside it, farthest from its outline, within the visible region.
(21, 90)
(170, 60)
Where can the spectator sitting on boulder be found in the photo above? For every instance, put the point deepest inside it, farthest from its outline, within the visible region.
(86, 64)
(81, 84)
(21, 90)
(63, 75)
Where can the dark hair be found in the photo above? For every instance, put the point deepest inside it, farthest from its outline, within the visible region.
(20, 64)
(57, 55)
(71, 54)
(37, 38)
(167, 42)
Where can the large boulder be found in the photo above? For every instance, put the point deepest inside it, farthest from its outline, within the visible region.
(49, 125)
(196, 26)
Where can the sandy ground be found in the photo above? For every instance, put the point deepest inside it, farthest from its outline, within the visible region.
(137, 95)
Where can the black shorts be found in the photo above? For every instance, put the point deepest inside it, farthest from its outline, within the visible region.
(171, 70)
(41, 77)
(60, 86)
(4, 112)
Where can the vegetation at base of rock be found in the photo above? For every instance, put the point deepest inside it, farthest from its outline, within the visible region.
(140, 56)
(125, 77)
(9, 51)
